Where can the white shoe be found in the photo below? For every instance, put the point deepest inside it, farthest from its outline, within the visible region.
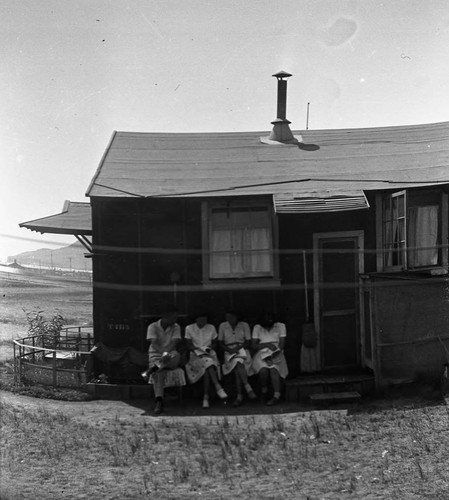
(221, 394)
(205, 403)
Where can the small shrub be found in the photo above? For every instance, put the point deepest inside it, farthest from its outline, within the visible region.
(47, 330)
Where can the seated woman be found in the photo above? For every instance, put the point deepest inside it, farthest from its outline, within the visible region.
(203, 360)
(234, 337)
(269, 360)
(163, 335)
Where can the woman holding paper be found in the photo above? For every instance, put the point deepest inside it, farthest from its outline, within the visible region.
(269, 360)
(234, 337)
(203, 362)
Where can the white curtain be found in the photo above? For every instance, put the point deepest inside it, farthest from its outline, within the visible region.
(423, 236)
(259, 243)
(220, 258)
(240, 245)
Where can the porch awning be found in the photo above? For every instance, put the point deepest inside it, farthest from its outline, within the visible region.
(318, 202)
(75, 218)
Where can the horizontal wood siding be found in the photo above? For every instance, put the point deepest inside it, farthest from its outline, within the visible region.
(143, 244)
(116, 273)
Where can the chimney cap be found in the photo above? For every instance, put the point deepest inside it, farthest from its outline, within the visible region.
(280, 120)
(281, 74)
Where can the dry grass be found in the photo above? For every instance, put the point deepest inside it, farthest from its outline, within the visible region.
(385, 454)
(76, 451)
(74, 303)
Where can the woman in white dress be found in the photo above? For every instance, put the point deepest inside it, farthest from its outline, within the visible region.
(164, 336)
(234, 337)
(269, 360)
(203, 362)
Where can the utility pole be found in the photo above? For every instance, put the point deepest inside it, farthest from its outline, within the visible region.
(307, 119)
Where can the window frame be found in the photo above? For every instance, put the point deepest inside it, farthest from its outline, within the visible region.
(402, 250)
(442, 240)
(206, 210)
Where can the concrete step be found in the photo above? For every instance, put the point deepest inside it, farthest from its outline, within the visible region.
(300, 389)
(335, 397)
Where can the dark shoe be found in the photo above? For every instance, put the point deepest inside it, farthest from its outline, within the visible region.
(273, 401)
(263, 398)
(252, 395)
(238, 401)
(159, 408)
(147, 373)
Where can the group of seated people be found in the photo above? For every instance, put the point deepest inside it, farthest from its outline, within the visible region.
(244, 354)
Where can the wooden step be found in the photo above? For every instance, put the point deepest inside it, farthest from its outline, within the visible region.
(335, 397)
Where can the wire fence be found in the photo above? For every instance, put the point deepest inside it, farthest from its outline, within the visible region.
(62, 360)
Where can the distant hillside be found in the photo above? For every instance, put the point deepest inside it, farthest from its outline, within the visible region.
(70, 257)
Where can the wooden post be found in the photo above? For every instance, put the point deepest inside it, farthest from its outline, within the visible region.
(15, 364)
(54, 368)
(20, 363)
(140, 274)
(375, 340)
(78, 364)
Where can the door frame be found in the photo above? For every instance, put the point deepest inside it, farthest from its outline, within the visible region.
(317, 237)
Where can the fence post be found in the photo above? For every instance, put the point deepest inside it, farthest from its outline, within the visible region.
(78, 364)
(54, 368)
(15, 365)
(20, 364)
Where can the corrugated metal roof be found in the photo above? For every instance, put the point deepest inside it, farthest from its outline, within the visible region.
(230, 164)
(75, 218)
(321, 202)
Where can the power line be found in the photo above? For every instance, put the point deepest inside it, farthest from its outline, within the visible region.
(199, 251)
(35, 240)
(383, 281)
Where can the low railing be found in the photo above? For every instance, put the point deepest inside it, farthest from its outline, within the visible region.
(62, 360)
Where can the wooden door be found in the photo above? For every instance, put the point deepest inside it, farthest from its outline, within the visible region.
(338, 262)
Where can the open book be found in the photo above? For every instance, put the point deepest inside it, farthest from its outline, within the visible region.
(267, 354)
(202, 351)
(241, 353)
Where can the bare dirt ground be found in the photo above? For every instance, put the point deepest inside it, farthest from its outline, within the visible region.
(391, 448)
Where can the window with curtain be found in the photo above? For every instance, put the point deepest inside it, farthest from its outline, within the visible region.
(240, 242)
(423, 236)
(395, 230)
(411, 229)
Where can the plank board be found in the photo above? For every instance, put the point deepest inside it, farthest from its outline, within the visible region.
(335, 397)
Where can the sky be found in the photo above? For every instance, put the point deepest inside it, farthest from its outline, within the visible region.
(73, 71)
